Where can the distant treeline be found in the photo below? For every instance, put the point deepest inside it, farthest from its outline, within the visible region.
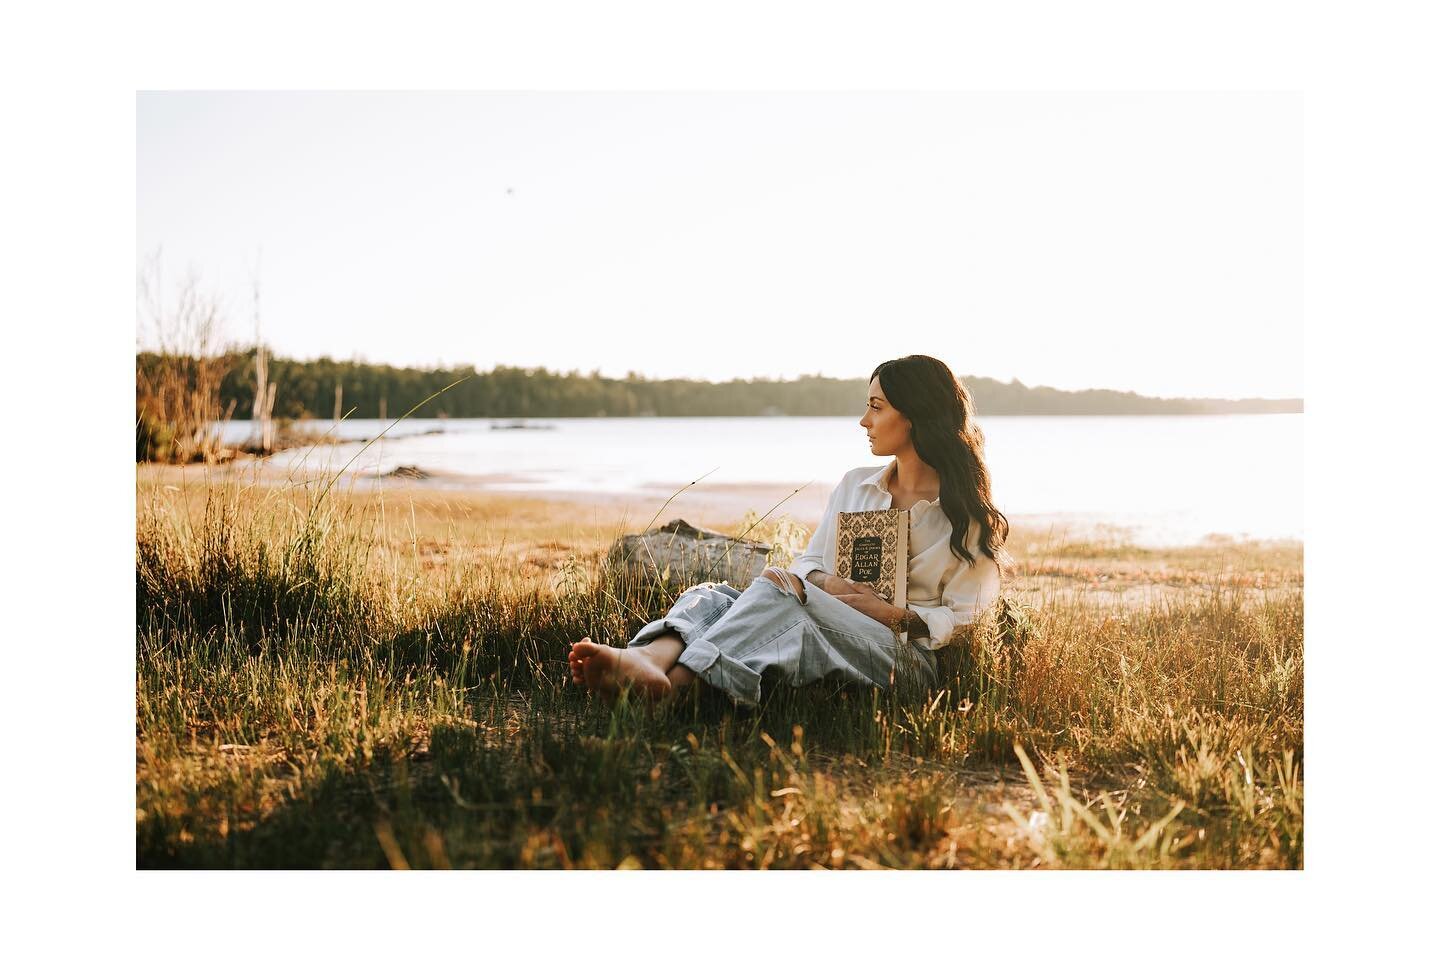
(307, 389)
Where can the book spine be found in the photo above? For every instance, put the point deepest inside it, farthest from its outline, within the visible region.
(902, 560)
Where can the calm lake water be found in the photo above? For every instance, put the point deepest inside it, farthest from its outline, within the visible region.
(1165, 479)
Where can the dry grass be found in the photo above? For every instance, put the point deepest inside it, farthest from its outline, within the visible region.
(368, 681)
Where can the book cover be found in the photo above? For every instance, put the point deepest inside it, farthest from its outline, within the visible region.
(873, 547)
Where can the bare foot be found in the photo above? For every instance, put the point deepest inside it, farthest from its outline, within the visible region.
(679, 677)
(605, 670)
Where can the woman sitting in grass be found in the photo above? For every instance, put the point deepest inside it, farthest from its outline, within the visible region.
(920, 414)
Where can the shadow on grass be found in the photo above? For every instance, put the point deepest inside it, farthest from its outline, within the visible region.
(553, 782)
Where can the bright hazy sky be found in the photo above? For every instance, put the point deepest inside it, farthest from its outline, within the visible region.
(1147, 242)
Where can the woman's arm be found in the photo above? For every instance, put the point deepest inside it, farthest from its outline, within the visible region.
(964, 598)
(830, 583)
(863, 597)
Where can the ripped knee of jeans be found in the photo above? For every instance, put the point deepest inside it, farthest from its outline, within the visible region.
(786, 581)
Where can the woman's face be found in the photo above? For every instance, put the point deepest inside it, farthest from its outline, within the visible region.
(887, 427)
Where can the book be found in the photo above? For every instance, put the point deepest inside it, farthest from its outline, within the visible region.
(873, 547)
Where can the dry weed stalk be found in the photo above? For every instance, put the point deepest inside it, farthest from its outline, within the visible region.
(177, 396)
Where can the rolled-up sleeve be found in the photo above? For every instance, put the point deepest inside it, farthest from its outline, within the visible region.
(820, 552)
(966, 596)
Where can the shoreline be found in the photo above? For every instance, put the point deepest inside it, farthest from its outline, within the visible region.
(703, 504)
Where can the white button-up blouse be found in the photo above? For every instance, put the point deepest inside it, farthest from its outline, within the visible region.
(945, 591)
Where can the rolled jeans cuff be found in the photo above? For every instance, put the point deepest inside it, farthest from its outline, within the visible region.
(704, 659)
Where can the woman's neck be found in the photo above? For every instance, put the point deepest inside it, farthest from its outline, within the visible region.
(913, 475)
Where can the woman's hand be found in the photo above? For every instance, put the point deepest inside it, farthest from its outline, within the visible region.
(870, 603)
(861, 596)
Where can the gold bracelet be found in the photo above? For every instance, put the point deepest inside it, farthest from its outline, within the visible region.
(895, 627)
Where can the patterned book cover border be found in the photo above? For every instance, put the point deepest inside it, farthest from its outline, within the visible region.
(872, 546)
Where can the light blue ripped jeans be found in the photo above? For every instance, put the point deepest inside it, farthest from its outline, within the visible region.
(731, 638)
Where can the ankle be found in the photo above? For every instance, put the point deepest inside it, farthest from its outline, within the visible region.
(680, 677)
(645, 652)
(646, 671)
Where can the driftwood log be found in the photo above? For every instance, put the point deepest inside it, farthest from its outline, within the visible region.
(679, 551)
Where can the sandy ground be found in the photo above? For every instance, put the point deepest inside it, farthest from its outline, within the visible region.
(716, 505)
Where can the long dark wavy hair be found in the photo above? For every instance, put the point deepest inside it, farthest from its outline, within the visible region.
(946, 436)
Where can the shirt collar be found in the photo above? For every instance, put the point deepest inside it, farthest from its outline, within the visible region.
(881, 480)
